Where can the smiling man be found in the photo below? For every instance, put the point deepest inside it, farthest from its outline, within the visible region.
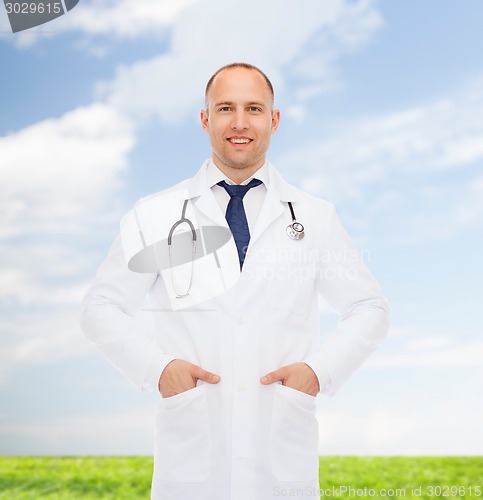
(238, 373)
(239, 127)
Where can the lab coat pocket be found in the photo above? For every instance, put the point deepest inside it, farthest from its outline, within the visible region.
(294, 436)
(183, 438)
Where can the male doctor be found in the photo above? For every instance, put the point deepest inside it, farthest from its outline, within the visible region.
(235, 348)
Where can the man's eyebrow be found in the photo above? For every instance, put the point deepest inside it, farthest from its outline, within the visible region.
(230, 103)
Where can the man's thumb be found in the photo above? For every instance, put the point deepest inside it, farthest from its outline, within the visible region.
(209, 377)
(272, 377)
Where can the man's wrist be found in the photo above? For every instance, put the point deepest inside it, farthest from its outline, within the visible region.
(151, 381)
(162, 371)
(322, 375)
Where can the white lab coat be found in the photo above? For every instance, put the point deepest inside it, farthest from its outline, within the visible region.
(239, 439)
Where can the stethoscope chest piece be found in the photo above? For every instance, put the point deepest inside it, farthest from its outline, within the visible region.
(295, 230)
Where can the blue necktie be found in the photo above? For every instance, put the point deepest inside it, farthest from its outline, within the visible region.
(236, 216)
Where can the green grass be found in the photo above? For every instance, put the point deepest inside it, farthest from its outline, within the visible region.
(72, 478)
(434, 475)
(99, 478)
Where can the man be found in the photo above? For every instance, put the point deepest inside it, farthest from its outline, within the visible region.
(236, 351)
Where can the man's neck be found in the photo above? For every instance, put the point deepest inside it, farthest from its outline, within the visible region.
(237, 175)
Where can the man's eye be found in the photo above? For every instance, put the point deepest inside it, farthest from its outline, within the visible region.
(225, 108)
(254, 109)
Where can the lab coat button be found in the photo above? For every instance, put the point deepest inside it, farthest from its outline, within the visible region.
(240, 321)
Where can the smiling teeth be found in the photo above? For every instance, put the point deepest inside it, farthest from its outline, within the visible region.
(240, 141)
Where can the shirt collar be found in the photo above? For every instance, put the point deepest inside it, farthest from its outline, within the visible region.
(214, 175)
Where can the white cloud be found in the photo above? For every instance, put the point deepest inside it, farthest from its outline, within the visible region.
(121, 19)
(440, 135)
(300, 48)
(443, 134)
(391, 164)
(35, 337)
(22, 286)
(56, 178)
(125, 18)
(56, 170)
(411, 346)
(450, 431)
(200, 26)
(454, 355)
(347, 27)
(429, 343)
(476, 186)
(109, 434)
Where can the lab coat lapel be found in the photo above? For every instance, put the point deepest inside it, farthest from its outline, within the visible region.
(208, 205)
(203, 198)
(272, 208)
(279, 192)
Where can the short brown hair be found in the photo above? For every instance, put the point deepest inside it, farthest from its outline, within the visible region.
(238, 65)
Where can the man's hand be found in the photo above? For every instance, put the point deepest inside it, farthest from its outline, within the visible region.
(180, 376)
(298, 376)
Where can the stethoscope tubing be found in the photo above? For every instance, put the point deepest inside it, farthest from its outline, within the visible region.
(295, 230)
(183, 220)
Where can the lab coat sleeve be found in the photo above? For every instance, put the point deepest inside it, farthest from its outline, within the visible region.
(349, 288)
(108, 319)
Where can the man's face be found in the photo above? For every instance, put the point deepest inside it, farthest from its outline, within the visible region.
(240, 121)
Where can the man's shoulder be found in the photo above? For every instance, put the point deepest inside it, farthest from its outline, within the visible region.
(185, 186)
(312, 198)
(180, 186)
(297, 193)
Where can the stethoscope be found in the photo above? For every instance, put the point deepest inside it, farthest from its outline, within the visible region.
(183, 220)
(295, 231)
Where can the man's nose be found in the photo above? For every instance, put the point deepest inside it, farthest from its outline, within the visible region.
(240, 121)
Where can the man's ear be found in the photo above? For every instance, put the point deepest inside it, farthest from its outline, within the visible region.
(204, 119)
(275, 120)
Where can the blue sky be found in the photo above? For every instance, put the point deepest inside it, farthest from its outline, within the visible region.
(382, 106)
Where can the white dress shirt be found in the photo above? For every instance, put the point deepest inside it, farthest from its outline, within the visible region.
(252, 201)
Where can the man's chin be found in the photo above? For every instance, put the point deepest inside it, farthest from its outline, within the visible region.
(242, 163)
(238, 161)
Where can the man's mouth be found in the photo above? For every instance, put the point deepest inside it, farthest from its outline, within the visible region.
(239, 140)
